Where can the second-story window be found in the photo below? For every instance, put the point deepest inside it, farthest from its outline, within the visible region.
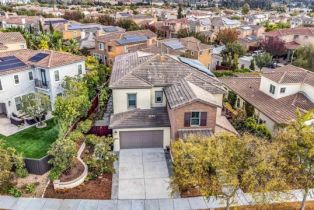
(1, 85)
(195, 118)
(131, 100)
(79, 69)
(272, 89)
(30, 75)
(282, 90)
(101, 46)
(57, 78)
(158, 96)
(16, 79)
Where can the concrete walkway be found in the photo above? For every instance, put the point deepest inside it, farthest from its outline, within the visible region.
(7, 202)
(143, 174)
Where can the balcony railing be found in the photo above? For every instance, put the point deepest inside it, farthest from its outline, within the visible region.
(41, 84)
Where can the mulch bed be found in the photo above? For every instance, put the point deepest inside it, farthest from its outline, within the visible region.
(93, 189)
(190, 193)
(282, 206)
(74, 172)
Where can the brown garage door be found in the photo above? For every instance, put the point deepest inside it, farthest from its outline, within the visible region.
(141, 139)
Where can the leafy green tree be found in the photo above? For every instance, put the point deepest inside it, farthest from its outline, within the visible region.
(63, 152)
(41, 29)
(223, 164)
(297, 139)
(72, 46)
(106, 20)
(304, 57)
(73, 104)
(263, 60)
(51, 29)
(36, 105)
(245, 9)
(128, 24)
(252, 65)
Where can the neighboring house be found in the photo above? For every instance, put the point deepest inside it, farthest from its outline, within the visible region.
(10, 41)
(189, 47)
(218, 23)
(256, 18)
(170, 28)
(250, 36)
(275, 95)
(293, 37)
(159, 98)
(27, 71)
(21, 21)
(142, 20)
(109, 46)
(301, 21)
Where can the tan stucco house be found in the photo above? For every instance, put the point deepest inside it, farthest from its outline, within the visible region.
(159, 98)
(10, 41)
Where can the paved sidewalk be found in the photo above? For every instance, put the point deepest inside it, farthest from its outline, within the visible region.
(8, 202)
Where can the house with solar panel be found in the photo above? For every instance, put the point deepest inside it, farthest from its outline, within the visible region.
(26, 71)
(160, 97)
(188, 47)
(109, 46)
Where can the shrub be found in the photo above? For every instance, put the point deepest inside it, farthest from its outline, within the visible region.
(75, 136)
(30, 188)
(54, 174)
(15, 192)
(85, 126)
(93, 139)
(21, 172)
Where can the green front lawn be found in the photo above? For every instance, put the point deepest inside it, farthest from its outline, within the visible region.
(33, 142)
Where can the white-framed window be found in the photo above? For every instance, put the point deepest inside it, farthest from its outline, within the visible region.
(16, 79)
(18, 103)
(195, 119)
(282, 90)
(22, 46)
(131, 100)
(79, 69)
(101, 46)
(30, 75)
(1, 88)
(56, 74)
(158, 97)
(272, 89)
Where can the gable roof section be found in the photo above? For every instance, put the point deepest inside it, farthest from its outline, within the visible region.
(11, 37)
(280, 110)
(185, 92)
(306, 31)
(291, 74)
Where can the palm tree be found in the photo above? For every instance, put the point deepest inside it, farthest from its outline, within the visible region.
(72, 46)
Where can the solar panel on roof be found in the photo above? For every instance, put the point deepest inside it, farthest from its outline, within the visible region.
(10, 62)
(196, 64)
(38, 57)
(132, 39)
(174, 44)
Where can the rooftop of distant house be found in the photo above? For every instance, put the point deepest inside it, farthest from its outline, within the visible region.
(306, 31)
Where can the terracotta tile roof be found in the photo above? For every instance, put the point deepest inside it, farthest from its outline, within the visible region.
(11, 37)
(54, 58)
(194, 44)
(291, 74)
(18, 20)
(280, 110)
(120, 35)
(307, 31)
(141, 118)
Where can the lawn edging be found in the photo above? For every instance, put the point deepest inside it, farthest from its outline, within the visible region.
(57, 184)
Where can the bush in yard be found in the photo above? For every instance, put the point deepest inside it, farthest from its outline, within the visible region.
(30, 188)
(103, 158)
(75, 136)
(15, 192)
(85, 126)
(92, 140)
(63, 151)
(9, 158)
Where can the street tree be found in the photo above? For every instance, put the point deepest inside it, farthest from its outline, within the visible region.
(36, 105)
(262, 60)
(297, 139)
(222, 165)
(304, 57)
(128, 24)
(180, 15)
(275, 46)
(245, 9)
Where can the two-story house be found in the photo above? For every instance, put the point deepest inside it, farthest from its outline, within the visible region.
(188, 47)
(275, 95)
(108, 46)
(158, 98)
(27, 71)
(10, 41)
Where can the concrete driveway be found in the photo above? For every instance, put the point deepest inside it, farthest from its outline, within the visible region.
(143, 174)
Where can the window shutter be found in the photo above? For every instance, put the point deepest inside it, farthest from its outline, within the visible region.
(203, 118)
(187, 117)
